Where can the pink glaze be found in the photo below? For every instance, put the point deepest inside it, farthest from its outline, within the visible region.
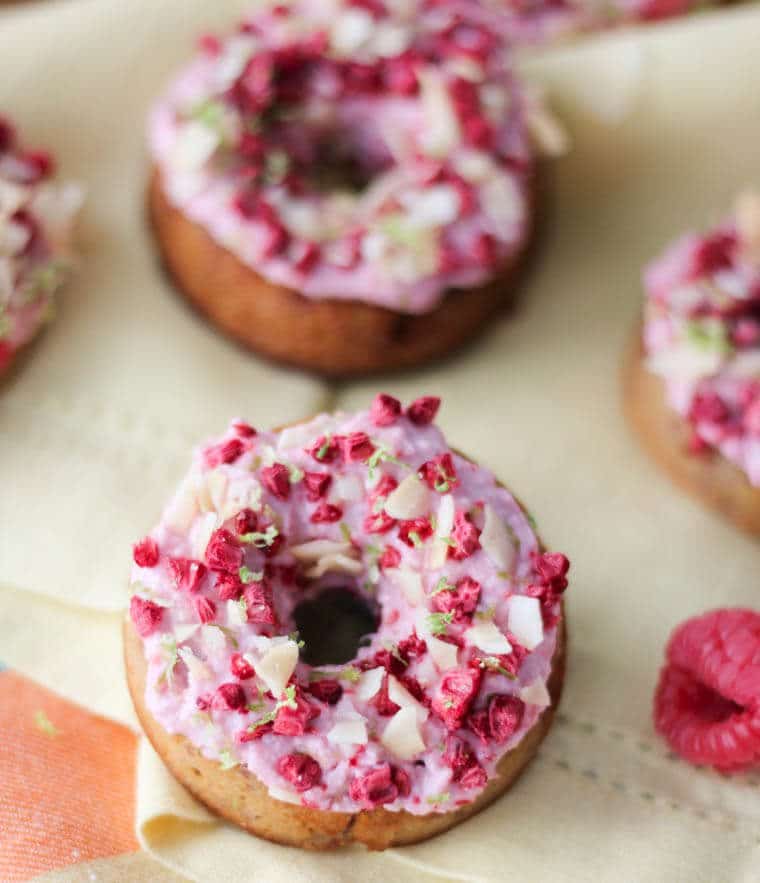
(333, 479)
(35, 224)
(702, 335)
(423, 101)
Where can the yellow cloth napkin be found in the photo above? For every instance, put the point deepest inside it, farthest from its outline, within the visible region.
(96, 430)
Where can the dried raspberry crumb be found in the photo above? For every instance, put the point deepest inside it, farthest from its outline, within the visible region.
(301, 770)
(707, 703)
(223, 552)
(228, 587)
(145, 553)
(243, 429)
(382, 785)
(464, 765)
(390, 558)
(146, 615)
(204, 608)
(326, 690)
(455, 695)
(324, 450)
(230, 696)
(225, 452)
(461, 600)
(423, 410)
(316, 484)
(505, 714)
(465, 537)
(210, 44)
(381, 702)
(255, 734)
(276, 479)
(412, 647)
(294, 721)
(439, 473)
(246, 521)
(415, 531)
(259, 603)
(356, 447)
(326, 513)
(385, 410)
(186, 573)
(240, 667)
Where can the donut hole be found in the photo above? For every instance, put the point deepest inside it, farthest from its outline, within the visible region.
(333, 625)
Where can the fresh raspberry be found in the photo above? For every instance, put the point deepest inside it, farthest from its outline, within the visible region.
(145, 615)
(707, 703)
(326, 690)
(276, 480)
(240, 667)
(204, 608)
(423, 410)
(301, 770)
(316, 484)
(223, 552)
(145, 553)
(385, 410)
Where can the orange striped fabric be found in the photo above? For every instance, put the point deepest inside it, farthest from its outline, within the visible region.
(67, 782)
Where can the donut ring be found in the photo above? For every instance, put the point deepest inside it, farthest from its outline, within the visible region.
(36, 220)
(336, 276)
(692, 377)
(433, 718)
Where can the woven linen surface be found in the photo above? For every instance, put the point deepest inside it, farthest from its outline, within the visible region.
(95, 431)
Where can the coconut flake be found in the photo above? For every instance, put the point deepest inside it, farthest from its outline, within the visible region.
(335, 564)
(440, 134)
(536, 694)
(183, 508)
(501, 201)
(316, 549)
(398, 693)
(410, 583)
(525, 621)
(351, 30)
(185, 630)
(411, 499)
(402, 735)
(487, 637)
(348, 488)
(496, 540)
(199, 670)
(277, 665)
(194, 147)
(349, 731)
(202, 534)
(435, 207)
(369, 683)
(438, 549)
(236, 615)
(443, 654)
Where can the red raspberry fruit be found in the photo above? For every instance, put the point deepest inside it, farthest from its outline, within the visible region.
(707, 703)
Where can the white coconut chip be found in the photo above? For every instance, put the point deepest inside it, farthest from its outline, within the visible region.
(496, 540)
(402, 735)
(486, 636)
(411, 499)
(525, 621)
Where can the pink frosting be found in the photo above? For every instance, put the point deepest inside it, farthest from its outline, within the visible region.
(702, 335)
(468, 611)
(424, 102)
(35, 223)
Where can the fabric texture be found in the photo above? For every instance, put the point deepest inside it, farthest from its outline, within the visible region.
(96, 427)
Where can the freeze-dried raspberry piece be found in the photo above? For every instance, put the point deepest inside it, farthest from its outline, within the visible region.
(301, 770)
(326, 690)
(145, 615)
(145, 553)
(385, 410)
(707, 703)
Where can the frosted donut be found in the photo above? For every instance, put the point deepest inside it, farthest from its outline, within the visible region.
(443, 704)
(693, 376)
(36, 220)
(398, 265)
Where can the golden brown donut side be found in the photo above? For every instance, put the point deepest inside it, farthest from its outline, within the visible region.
(711, 478)
(331, 337)
(239, 797)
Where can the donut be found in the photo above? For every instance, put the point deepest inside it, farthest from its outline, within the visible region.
(36, 219)
(422, 721)
(346, 187)
(692, 377)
